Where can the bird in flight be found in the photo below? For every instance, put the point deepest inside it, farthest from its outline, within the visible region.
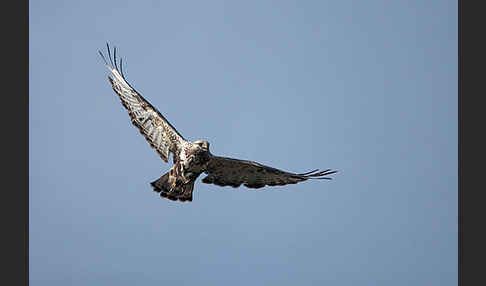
(191, 159)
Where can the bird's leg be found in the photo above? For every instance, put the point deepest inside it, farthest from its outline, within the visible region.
(185, 176)
(176, 179)
(173, 178)
(174, 185)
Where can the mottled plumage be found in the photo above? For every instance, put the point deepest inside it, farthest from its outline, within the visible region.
(192, 158)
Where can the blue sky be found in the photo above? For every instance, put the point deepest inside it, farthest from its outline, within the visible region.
(365, 87)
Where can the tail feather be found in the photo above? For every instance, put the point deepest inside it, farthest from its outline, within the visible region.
(165, 188)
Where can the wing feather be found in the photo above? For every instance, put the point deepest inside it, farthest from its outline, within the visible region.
(156, 129)
(224, 171)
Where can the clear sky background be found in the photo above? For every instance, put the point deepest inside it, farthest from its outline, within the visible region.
(365, 87)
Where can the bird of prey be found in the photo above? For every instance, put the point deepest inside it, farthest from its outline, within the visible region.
(191, 159)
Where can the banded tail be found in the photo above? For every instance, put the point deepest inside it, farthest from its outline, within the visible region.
(167, 189)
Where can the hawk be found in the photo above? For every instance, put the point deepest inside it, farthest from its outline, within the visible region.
(191, 159)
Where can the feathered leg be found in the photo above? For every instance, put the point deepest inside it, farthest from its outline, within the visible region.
(172, 187)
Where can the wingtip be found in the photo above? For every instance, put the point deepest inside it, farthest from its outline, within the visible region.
(316, 174)
(109, 53)
(114, 57)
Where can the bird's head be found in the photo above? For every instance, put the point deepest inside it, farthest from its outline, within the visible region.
(203, 144)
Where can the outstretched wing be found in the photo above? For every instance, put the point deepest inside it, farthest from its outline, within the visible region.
(232, 172)
(160, 134)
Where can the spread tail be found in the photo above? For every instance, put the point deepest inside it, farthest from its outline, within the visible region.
(167, 189)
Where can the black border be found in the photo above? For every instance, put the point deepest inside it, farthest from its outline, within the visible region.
(471, 49)
(15, 144)
(459, 153)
